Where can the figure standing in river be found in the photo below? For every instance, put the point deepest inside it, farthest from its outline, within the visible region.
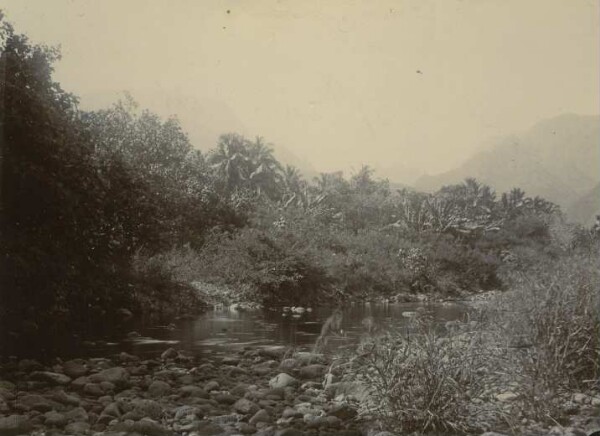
(331, 327)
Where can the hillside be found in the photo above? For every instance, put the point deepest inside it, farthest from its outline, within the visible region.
(557, 159)
(585, 209)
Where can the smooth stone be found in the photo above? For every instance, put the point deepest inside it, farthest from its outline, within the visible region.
(260, 416)
(51, 377)
(159, 388)
(282, 380)
(55, 419)
(245, 407)
(15, 425)
(74, 369)
(313, 371)
(117, 375)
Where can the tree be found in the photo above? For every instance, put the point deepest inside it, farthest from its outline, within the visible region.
(231, 162)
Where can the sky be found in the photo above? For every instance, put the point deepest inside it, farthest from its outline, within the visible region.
(414, 85)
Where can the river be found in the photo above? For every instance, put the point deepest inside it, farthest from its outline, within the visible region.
(224, 329)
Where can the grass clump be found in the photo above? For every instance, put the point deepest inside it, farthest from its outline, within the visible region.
(424, 381)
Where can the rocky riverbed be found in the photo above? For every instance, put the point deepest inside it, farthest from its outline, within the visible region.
(257, 391)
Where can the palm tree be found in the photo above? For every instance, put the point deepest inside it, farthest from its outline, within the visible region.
(231, 162)
(266, 170)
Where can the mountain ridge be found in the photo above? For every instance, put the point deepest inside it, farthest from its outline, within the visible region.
(558, 159)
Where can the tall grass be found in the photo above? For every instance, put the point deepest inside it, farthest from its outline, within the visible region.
(424, 381)
(551, 322)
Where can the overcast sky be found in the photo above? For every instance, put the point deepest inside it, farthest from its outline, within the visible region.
(419, 83)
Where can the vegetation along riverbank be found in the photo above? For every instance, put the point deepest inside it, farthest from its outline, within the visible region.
(112, 214)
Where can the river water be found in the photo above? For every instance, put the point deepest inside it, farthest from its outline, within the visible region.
(224, 329)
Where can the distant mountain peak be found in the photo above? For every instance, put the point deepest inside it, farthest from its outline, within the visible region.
(558, 159)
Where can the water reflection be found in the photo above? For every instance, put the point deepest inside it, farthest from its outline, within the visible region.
(224, 329)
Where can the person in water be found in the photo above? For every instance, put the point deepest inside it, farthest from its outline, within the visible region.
(331, 327)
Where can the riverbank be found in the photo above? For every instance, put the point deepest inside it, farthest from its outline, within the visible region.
(256, 391)
(262, 391)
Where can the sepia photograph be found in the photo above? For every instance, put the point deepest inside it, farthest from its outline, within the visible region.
(299, 217)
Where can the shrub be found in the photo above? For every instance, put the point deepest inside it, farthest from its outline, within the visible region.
(551, 317)
(423, 381)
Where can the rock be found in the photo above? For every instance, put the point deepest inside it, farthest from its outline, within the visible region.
(275, 352)
(343, 411)
(207, 428)
(29, 365)
(313, 371)
(15, 425)
(129, 358)
(193, 391)
(224, 398)
(36, 402)
(230, 360)
(112, 410)
(148, 408)
(245, 428)
(145, 426)
(74, 369)
(211, 386)
(290, 432)
(291, 413)
(159, 388)
(64, 398)
(50, 377)
(76, 428)
(282, 380)
(580, 398)
(184, 412)
(289, 364)
(245, 407)
(169, 353)
(506, 397)
(565, 431)
(55, 419)
(77, 414)
(117, 375)
(260, 416)
(80, 382)
(93, 389)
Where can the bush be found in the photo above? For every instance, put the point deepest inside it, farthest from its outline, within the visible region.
(551, 318)
(427, 382)
(263, 268)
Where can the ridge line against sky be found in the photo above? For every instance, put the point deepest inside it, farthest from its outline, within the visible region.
(420, 84)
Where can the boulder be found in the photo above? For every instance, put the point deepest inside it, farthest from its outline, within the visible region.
(77, 414)
(245, 407)
(282, 380)
(50, 377)
(117, 375)
(36, 402)
(55, 419)
(193, 391)
(148, 408)
(343, 411)
(159, 388)
(75, 428)
(261, 416)
(506, 397)
(169, 353)
(15, 425)
(74, 368)
(313, 371)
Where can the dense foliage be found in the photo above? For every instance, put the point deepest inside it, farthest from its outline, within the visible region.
(114, 209)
